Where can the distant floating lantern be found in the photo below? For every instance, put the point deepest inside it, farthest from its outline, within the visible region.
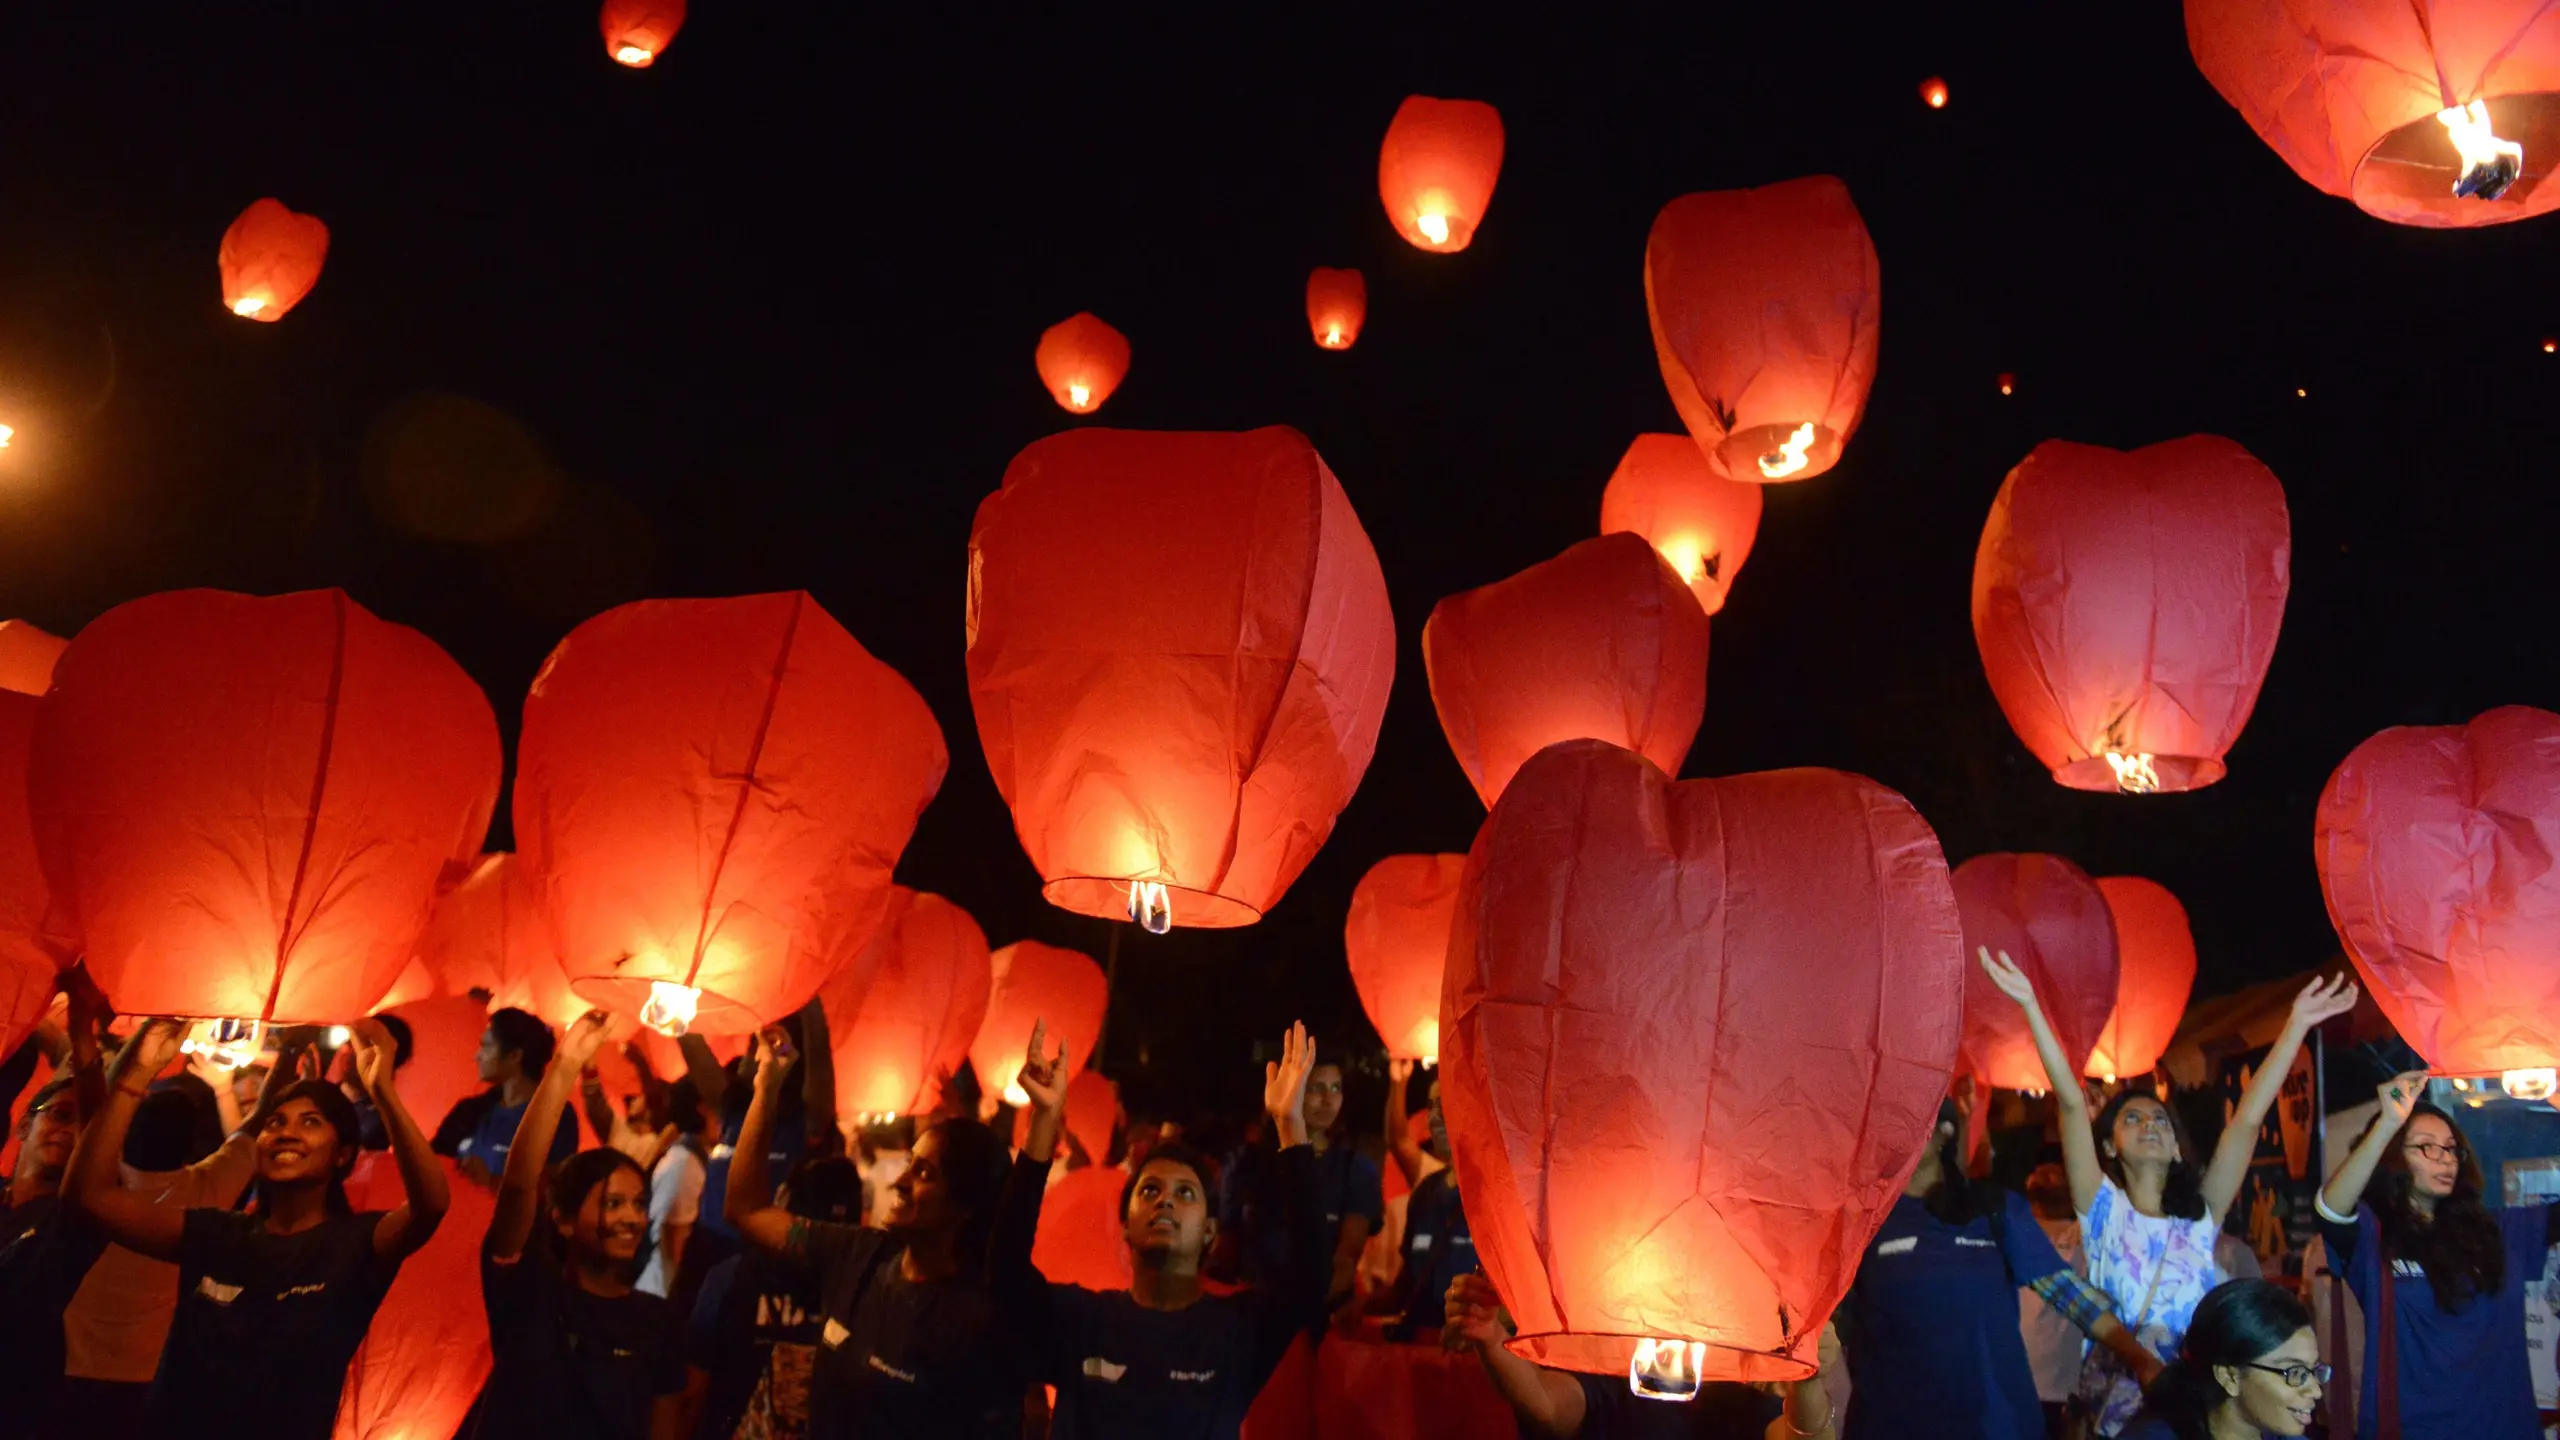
(2046, 914)
(1933, 93)
(2434, 115)
(2126, 604)
(2550, 346)
(2008, 383)
(1764, 306)
(637, 32)
(1700, 522)
(1396, 938)
(1437, 169)
(270, 259)
(1060, 989)
(2155, 972)
(903, 1014)
(1081, 360)
(27, 657)
(1337, 301)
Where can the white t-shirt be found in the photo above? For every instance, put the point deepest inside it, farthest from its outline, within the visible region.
(675, 1198)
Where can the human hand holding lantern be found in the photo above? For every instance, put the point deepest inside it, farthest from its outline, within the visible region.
(2325, 998)
(1043, 1081)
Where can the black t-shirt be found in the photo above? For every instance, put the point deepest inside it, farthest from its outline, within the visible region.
(754, 1332)
(1611, 1411)
(895, 1357)
(1437, 1250)
(266, 1323)
(44, 1255)
(567, 1362)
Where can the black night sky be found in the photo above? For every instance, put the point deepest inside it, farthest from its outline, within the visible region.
(768, 309)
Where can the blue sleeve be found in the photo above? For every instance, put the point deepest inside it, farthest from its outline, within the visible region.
(708, 1335)
(564, 1141)
(2024, 1244)
(2527, 1232)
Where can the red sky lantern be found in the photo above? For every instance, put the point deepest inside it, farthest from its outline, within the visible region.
(1933, 93)
(444, 1035)
(902, 1015)
(1179, 653)
(2046, 914)
(1698, 1036)
(1040, 984)
(1337, 301)
(31, 952)
(1093, 1112)
(1664, 490)
(2434, 115)
(424, 1358)
(27, 657)
(2126, 604)
(1082, 1238)
(1603, 642)
(1081, 360)
(489, 933)
(710, 795)
(1764, 309)
(2434, 846)
(637, 32)
(270, 259)
(1397, 940)
(2156, 971)
(249, 803)
(1437, 168)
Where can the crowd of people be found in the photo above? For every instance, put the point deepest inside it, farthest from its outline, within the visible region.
(177, 1247)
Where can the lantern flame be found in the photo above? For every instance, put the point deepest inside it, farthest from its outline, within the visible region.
(248, 304)
(2135, 774)
(1433, 225)
(1151, 905)
(7, 433)
(227, 1043)
(670, 1008)
(1333, 336)
(634, 56)
(1014, 1094)
(2535, 1084)
(1667, 1369)
(1079, 398)
(2489, 164)
(1689, 555)
(1790, 456)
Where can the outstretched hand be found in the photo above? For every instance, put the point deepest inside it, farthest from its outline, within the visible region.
(1475, 1319)
(1044, 1077)
(2400, 1095)
(376, 1056)
(151, 1049)
(2006, 974)
(585, 1036)
(1284, 1084)
(2325, 998)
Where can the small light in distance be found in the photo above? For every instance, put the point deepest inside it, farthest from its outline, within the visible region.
(1933, 93)
(2300, 393)
(2008, 383)
(7, 434)
(2550, 346)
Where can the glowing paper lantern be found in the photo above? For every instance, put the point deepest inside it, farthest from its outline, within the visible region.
(1337, 301)
(2126, 604)
(2444, 114)
(2434, 846)
(1694, 1040)
(27, 657)
(1083, 1239)
(1093, 1112)
(489, 933)
(1081, 360)
(1437, 168)
(2046, 914)
(1933, 93)
(31, 950)
(427, 1352)
(2156, 970)
(1664, 490)
(270, 259)
(637, 32)
(710, 795)
(901, 1017)
(1179, 653)
(1038, 984)
(1397, 940)
(1603, 642)
(1765, 313)
(249, 803)
(444, 1042)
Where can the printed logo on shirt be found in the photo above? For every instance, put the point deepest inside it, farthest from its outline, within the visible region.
(2408, 1270)
(1971, 1243)
(1196, 1377)
(1104, 1370)
(302, 1290)
(892, 1371)
(1421, 1242)
(1466, 1240)
(216, 1291)
(835, 1334)
(781, 1312)
(1903, 1246)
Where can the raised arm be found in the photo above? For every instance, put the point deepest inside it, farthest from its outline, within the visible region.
(1400, 1142)
(2345, 1190)
(2079, 1145)
(2320, 1000)
(1807, 1404)
(520, 1187)
(818, 1083)
(710, 1078)
(399, 1234)
(1547, 1403)
(91, 1185)
(748, 1203)
(1011, 1276)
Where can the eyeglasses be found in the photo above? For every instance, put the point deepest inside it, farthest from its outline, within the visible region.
(2431, 1150)
(2296, 1376)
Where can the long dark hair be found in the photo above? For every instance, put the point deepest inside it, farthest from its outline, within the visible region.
(975, 1162)
(340, 1112)
(1958, 1199)
(2461, 1247)
(2239, 1322)
(2182, 1194)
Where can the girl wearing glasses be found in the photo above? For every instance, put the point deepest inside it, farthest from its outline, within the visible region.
(2249, 1367)
(2407, 1204)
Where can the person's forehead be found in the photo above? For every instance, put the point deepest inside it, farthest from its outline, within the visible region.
(2429, 1127)
(1169, 1172)
(2303, 1347)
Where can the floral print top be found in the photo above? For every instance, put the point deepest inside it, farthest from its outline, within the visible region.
(2155, 1268)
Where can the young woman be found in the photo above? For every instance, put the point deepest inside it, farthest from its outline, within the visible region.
(753, 1339)
(910, 1342)
(273, 1302)
(1931, 1326)
(2148, 1218)
(2248, 1368)
(2406, 1203)
(575, 1349)
(1163, 1357)
(1349, 1190)
(514, 1059)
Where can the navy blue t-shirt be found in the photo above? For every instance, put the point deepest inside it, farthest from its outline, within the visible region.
(1930, 1328)
(1255, 1210)
(2463, 1374)
(1611, 1411)
(787, 1142)
(495, 1135)
(755, 1332)
(1437, 1250)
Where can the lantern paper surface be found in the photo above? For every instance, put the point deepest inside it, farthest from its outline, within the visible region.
(1700, 522)
(444, 1044)
(1765, 311)
(249, 803)
(2348, 93)
(637, 32)
(427, 1352)
(902, 1016)
(1337, 302)
(711, 794)
(489, 933)
(27, 657)
(32, 947)
(270, 259)
(2046, 914)
(1081, 360)
(1694, 1036)
(1603, 642)
(1397, 941)
(2155, 972)
(2434, 845)
(2126, 604)
(1179, 653)
(1093, 1112)
(1082, 1238)
(1437, 169)
(1038, 984)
